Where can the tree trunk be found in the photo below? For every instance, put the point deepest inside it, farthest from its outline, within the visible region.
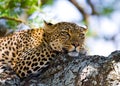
(83, 71)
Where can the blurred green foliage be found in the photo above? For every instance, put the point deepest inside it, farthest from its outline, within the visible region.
(107, 11)
(15, 8)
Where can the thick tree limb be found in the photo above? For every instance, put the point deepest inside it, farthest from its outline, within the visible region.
(83, 71)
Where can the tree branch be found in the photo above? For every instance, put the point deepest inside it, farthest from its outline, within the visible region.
(94, 12)
(87, 70)
(13, 19)
(81, 10)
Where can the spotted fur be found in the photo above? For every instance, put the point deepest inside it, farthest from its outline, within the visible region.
(28, 52)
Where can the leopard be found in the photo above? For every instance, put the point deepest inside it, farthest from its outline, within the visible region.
(28, 52)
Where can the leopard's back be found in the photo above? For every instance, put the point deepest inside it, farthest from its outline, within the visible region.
(11, 47)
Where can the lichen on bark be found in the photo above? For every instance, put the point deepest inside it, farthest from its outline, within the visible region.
(86, 70)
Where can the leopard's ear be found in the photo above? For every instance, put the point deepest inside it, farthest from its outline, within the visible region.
(47, 24)
(84, 28)
(49, 27)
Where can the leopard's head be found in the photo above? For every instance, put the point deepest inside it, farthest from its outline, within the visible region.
(66, 37)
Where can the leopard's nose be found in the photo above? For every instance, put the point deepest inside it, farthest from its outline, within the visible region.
(75, 44)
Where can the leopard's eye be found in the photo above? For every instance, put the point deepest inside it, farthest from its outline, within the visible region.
(81, 35)
(64, 35)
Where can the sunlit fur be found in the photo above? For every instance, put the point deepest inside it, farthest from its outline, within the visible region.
(28, 52)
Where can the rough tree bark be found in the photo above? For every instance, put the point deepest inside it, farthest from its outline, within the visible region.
(87, 70)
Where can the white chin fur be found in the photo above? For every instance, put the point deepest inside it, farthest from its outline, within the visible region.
(73, 54)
